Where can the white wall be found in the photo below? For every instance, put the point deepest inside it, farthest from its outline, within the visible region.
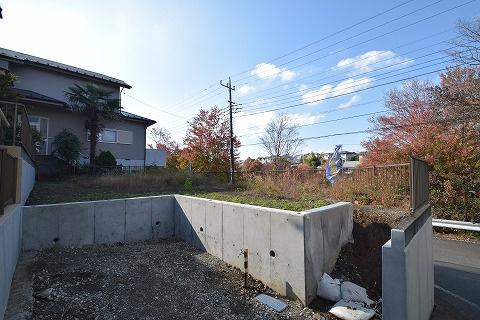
(155, 157)
(407, 272)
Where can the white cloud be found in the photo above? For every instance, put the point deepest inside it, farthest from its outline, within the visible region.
(350, 102)
(305, 118)
(269, 71)
(373, 60)
(246, 89)
(245, 126)
(312, 96)
(287, 75)
(350, 85)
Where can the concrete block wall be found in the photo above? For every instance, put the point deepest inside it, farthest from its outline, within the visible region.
(288, 251)
(97, 222)
(407, 274)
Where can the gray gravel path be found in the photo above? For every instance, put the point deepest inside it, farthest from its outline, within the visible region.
(147, 280)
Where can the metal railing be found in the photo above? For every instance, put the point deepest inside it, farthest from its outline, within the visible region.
(8, 178)
(15, 129)
(420, 185)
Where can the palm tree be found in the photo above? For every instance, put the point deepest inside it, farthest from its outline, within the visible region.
(96, 103)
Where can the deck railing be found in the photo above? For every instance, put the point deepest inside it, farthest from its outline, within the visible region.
(15, 128)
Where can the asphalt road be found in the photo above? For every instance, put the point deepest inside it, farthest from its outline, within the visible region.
(457, 279)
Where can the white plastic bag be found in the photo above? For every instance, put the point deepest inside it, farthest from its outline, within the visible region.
(352, 292)
(349, 310)
(329, 288)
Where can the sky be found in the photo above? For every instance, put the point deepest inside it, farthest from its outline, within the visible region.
(319, 61)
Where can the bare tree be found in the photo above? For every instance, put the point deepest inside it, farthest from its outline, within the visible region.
(467, 44)
(281, 139)
(162, 139)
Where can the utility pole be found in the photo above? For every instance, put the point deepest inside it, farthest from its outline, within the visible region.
(230, 102)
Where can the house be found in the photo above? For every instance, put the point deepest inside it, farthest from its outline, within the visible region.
(344, 155)
(41, 85)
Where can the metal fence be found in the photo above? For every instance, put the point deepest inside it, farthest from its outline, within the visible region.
(420, 186)
(8, 178)
(360, 176)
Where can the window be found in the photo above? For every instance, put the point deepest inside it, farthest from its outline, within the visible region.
(41, 125)
(108, 136)
(114, 136)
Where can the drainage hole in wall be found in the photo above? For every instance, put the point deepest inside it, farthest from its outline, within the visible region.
(272, 253)
(201, 229)
(55, 240)
(157, 223)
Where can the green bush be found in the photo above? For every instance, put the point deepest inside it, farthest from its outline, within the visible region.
(67, 146)
(105, 159)
(188, 185)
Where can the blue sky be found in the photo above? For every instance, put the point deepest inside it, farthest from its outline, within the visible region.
(170, 51)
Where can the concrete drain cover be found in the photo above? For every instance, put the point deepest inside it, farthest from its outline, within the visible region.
(273, 303)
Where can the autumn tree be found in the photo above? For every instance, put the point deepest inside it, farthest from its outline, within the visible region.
(407, 129)
(281, 140)
(207, 142)
(441, 124)
(252, 165)
(162, 140)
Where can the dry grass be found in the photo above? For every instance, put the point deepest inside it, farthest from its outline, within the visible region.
(307, 185)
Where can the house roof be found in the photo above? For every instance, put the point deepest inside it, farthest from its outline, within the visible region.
(351, 164)
(32, 60)
(32, 95)
(132, 116)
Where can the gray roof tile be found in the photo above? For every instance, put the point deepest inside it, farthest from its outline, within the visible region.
(26, 58)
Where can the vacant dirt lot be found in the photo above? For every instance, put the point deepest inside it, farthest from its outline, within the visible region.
(147, 280)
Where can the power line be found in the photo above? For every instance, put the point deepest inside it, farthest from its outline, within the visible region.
(151, 106)
(294, 90)
(357, 105)
(326, 90)
(369, 40)
(298, 80)
(325, 121)
(343, 94)
(380, 129)
(330, 35)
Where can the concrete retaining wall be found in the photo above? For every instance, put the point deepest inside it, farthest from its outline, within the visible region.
(10, 247)
(327, 230)
(407, 271)
(28, 177)
(288, 251)
(97, 222)
(11, 226)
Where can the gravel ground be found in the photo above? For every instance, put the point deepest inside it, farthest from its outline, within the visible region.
(148, 280)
